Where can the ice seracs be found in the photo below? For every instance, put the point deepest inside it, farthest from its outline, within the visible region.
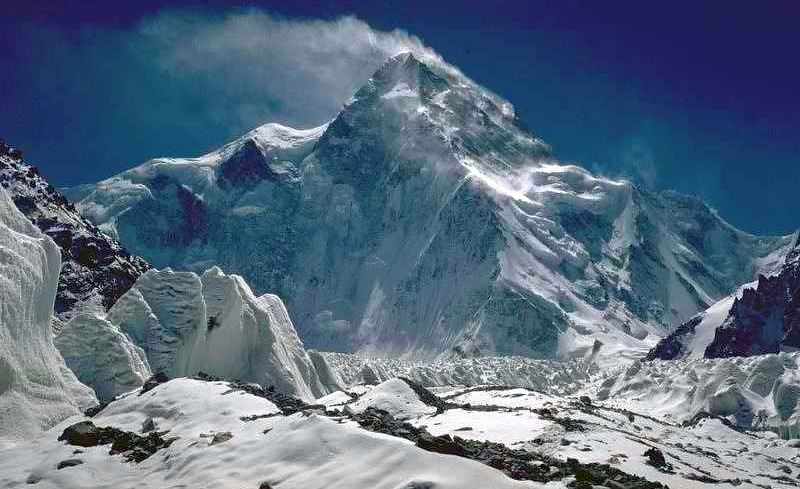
(425, 221)
(102, 356)
(753, 393)
(214, 324)
(37, 390)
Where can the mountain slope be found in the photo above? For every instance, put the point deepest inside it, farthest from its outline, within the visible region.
(95, 269)
(36, 388)
(425, 220)
(762, 317)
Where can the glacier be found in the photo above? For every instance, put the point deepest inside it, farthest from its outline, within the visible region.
(37, 390)
(102, 356)
(300, 451)
(426, 221)
(213, 323)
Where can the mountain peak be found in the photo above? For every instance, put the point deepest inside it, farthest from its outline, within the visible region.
(402, 57)
(403, 76)
(425, 220)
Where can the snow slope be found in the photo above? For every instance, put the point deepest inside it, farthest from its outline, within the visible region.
(705, 454)
(700, 453)
(102, 356)
(301, 451)
(36, 388)
(426, 221)
(395, 397)
(213, 323)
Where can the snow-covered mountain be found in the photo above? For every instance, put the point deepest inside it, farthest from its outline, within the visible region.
(213, 323)
(426, 221)
(37, 390)
(760, 317)
(95, 269)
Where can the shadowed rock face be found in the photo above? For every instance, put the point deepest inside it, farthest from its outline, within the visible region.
(94, 267)
(672, 346)
(765, 319)
(762, 318)
(252, 164)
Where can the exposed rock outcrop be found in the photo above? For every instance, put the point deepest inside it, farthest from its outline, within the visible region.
(95, 269)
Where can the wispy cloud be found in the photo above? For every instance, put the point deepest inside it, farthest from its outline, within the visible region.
(638, 162)
(253, 66)
(179, 83)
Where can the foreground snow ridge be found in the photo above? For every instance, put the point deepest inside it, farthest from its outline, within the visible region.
(228, 438)
(704, 452)
(395, 435)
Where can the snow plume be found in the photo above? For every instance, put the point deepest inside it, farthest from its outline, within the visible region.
(188, 81)
(639, 162)
(266, 67)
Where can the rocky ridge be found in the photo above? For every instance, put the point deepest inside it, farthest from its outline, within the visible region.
(95, 269)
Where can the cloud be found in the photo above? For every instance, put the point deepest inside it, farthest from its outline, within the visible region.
(92, 102)
(638, 162)
(255, 67)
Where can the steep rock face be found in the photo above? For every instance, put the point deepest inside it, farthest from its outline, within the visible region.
(213, 323)
(36, 388)
(691, 338)
(95, 269)
(761, 317)
(426, 221)
(765, 319)
(102, 356)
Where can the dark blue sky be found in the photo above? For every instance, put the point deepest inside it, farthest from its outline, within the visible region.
(697, 96)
